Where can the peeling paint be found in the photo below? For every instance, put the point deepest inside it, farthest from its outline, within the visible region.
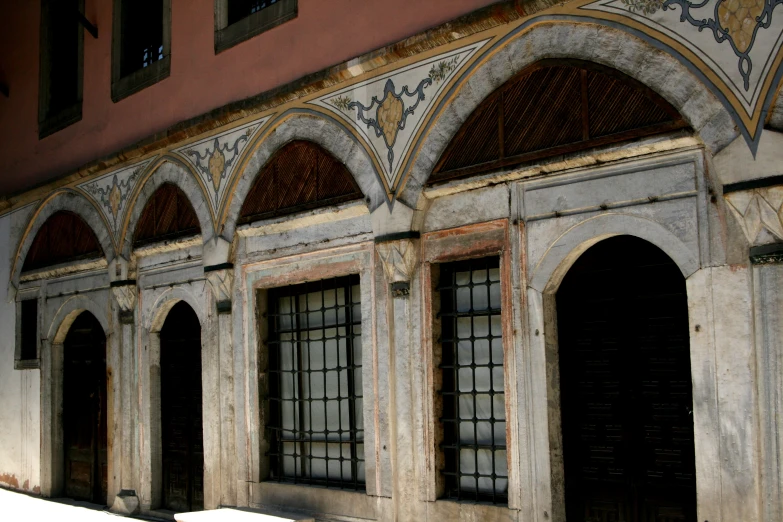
(9, 480)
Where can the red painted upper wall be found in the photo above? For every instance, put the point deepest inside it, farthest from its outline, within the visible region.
(325, 33)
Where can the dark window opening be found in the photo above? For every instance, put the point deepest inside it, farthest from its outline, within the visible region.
(554, 107)
(300, 176)
(63, 238)
(168, 215)
(239, 9)
(240, 20)
(142, 34)
(29, 338)
(316, 426)
(474, 414)
(60, 83)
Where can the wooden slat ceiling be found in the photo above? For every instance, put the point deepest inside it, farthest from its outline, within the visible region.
(64, 237)
(167, 215)
(299, 176)
(554, 107)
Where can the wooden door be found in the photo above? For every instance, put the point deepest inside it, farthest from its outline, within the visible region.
(85, 433)
(626, 394)
(183, 451)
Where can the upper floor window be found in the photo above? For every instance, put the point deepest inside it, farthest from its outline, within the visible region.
(315, 425)
(473, 416)
(238, 20)
(141, 45)
(60, 83)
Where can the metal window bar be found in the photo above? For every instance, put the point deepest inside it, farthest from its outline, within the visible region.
(315, 380)
(473, 417)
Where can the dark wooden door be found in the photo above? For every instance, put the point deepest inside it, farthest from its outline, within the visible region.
(183, 451)
(626, 393)
(85, 433)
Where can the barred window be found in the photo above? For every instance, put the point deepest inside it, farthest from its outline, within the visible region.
(473, 415)
(316, 431)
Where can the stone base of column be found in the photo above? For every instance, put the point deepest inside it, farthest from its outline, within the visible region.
(126, 503)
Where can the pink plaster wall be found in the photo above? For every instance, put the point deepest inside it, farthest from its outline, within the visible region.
(325, 33)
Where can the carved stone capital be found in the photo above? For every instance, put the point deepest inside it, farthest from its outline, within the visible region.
(221, 280)
(125, 294)
(759, 212)
(399, 258)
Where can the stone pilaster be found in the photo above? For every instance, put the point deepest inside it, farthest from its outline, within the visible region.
(221, 281)
(125, 295)
(399, 255)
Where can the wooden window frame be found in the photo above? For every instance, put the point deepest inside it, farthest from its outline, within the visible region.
(124, 86)
(49, 124)
(21, 363)
(445, 246)
(227, 36)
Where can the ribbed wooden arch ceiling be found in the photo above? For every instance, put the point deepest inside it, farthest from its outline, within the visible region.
(63, 238)
(551, 108)
(300, 176)
(167, 215)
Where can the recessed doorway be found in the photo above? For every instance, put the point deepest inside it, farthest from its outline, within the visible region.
(181, 407)
(626, 390)
(85, 433)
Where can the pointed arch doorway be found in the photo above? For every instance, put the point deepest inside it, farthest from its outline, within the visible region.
(626, 390)
(85, 431)
(181, 410)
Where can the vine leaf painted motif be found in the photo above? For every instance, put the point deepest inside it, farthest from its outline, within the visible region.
(112, 190)
(735, 46)
(215, 158)
(388, 111)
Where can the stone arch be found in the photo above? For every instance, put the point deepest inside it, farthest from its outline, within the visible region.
(167, 170)
(71, 201)
(548, 273)
(306, 126)
(69, 311)
(590, 42)
(155, 318)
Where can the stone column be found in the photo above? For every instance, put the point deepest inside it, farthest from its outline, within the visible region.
(127, 501)
(221, 280)
(400, 256)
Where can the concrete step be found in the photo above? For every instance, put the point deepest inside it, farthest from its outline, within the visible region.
(241, 515)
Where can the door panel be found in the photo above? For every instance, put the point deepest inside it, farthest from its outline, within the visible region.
(85, 433)
(181, 414)
(626, 388)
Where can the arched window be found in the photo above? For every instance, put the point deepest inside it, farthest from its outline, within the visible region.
(300, 176)
(63, 238)
(551, 108)
(168, 215)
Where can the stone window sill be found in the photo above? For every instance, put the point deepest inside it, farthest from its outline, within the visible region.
(141, 79)
(27, 364)
(59, 121)
(255, 24)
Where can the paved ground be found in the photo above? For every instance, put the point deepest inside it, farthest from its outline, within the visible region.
(18, 507)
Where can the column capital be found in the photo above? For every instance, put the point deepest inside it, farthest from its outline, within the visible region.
(221, 281)
(125, 294)
(399, 256)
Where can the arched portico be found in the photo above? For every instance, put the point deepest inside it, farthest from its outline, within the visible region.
(307, 126)
(67, 200)
(563, 40)
(167, 171)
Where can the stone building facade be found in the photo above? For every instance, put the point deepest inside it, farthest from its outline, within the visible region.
(486, 172)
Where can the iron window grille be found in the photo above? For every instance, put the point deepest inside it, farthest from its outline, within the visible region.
(316, 429)
(473, 415)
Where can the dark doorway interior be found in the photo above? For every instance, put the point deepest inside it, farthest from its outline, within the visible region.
(626, 392)
(183, 450)
(85, 434)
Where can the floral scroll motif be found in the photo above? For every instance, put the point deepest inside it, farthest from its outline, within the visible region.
(112, 191)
